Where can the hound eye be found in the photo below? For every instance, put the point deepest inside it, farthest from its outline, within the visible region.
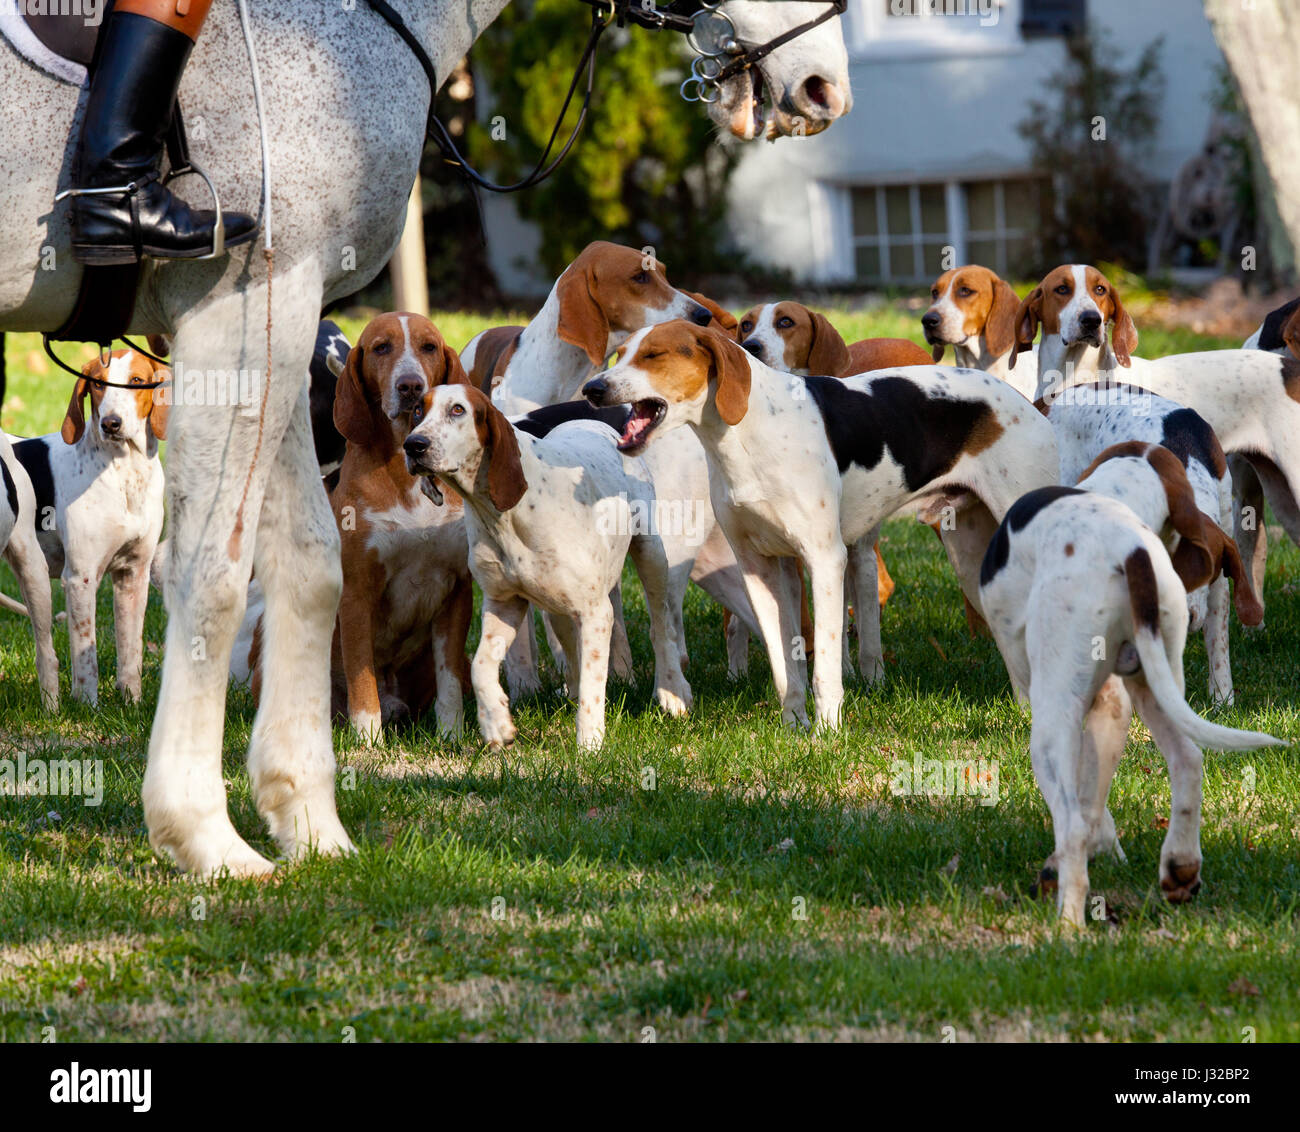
(381, 348)
(458, 410)
(746, 326)
(641, 277)
(785, 323)
(964, 291)
(417, 414)
(650, 355)
(934, 293)
(1100, 289)
(430, 347)
(1063, 289)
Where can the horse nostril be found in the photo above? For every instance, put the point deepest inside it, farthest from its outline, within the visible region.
(701, 316)
(814, 90)
(416, 446)
(754, 346)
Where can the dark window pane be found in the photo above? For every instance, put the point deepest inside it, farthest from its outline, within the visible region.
(864, 212)
(981, 212)
(867, 264)
(898, 210)
(934, 211)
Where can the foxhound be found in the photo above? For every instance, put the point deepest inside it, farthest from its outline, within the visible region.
(99, 497)
(407, 596)
(550, 521)
(789, 336)
(22, 550)
(802, 467)
(1250, 398)
(1279, 332)
(1090, 614)
(974, 311)
(605, 294)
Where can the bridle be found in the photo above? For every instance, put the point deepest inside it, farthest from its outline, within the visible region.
(718, 57)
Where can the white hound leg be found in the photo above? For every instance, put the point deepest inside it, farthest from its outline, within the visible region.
(826, 571)
(1180, 855)
(523, 660)
(501, 623)
(620, 648)
(130, 599)
(1105, 729)
(208, 482)
(1218, 606)
(80, 585)
(291, 755)
(773, 586)
(592, 661)
(1249, 529)
(1053, 744)
(866, 607)
(25, 558)
(671, 688)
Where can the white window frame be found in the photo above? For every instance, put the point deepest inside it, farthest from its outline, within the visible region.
(871, 34)
(836, 249)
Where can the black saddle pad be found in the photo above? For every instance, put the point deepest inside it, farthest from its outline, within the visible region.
(71, 33)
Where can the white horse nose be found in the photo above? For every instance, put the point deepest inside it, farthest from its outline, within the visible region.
(819, 99)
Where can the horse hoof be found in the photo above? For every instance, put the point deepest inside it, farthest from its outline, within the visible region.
(1181, 881)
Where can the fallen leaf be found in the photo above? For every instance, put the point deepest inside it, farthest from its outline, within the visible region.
(951, 866)
(1242, 986)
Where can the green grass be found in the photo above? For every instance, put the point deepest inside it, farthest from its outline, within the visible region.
(769, 886)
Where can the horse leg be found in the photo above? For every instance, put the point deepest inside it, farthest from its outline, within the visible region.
(209, 485)
(290, 755)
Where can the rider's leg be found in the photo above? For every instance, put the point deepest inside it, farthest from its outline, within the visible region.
(144, 46)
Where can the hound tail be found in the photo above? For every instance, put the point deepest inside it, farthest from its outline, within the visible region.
(6, 602)
(1144, 598)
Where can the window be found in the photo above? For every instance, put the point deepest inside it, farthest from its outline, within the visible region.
(930, 26)
(900, 231)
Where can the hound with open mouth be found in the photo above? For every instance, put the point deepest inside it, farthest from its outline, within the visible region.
(550, 522)
(800, 468)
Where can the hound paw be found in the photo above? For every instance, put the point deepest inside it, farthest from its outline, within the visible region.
(673, 703)
(498, 733)
(1180, 880)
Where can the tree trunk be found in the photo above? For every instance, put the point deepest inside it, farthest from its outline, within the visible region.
(1261, 41)
(410, 282)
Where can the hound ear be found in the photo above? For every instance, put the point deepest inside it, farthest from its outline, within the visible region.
(1123, 335)
(582, 322)
(453, 372)
(160, 403)
(731, 368)
(1000, 327)
(1291, 333)
(506, 483)
(353, 415)
(1196, 558)
(828, 355)
(74, 421)
(726, 321)
(1249, 611)
(1029, 315)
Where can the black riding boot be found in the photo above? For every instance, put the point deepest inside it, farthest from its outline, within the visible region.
(132, 92)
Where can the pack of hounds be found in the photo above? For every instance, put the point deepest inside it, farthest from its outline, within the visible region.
(1094, 505)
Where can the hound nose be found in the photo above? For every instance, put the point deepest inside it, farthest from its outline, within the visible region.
(701, 316)
(595, 390)
(408, 388)
(111, 424)
(930, 320)
(1090, 321)
(754, 346)
(416, 446)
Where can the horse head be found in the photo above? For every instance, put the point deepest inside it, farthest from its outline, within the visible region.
(800, 88)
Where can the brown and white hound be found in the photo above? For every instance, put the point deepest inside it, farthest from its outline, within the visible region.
(974, 311)
(407, 595)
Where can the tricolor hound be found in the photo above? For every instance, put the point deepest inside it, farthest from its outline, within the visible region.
(99, 498)
(550, 521)
(1250, 398)
(1090, 615)
(20, 548)
(788, 336)
(974, 311)
(800, 468)
(407, 596)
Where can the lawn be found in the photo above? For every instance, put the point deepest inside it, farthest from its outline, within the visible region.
(711, 878)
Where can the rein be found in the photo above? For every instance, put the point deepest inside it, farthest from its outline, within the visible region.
(708, 71)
